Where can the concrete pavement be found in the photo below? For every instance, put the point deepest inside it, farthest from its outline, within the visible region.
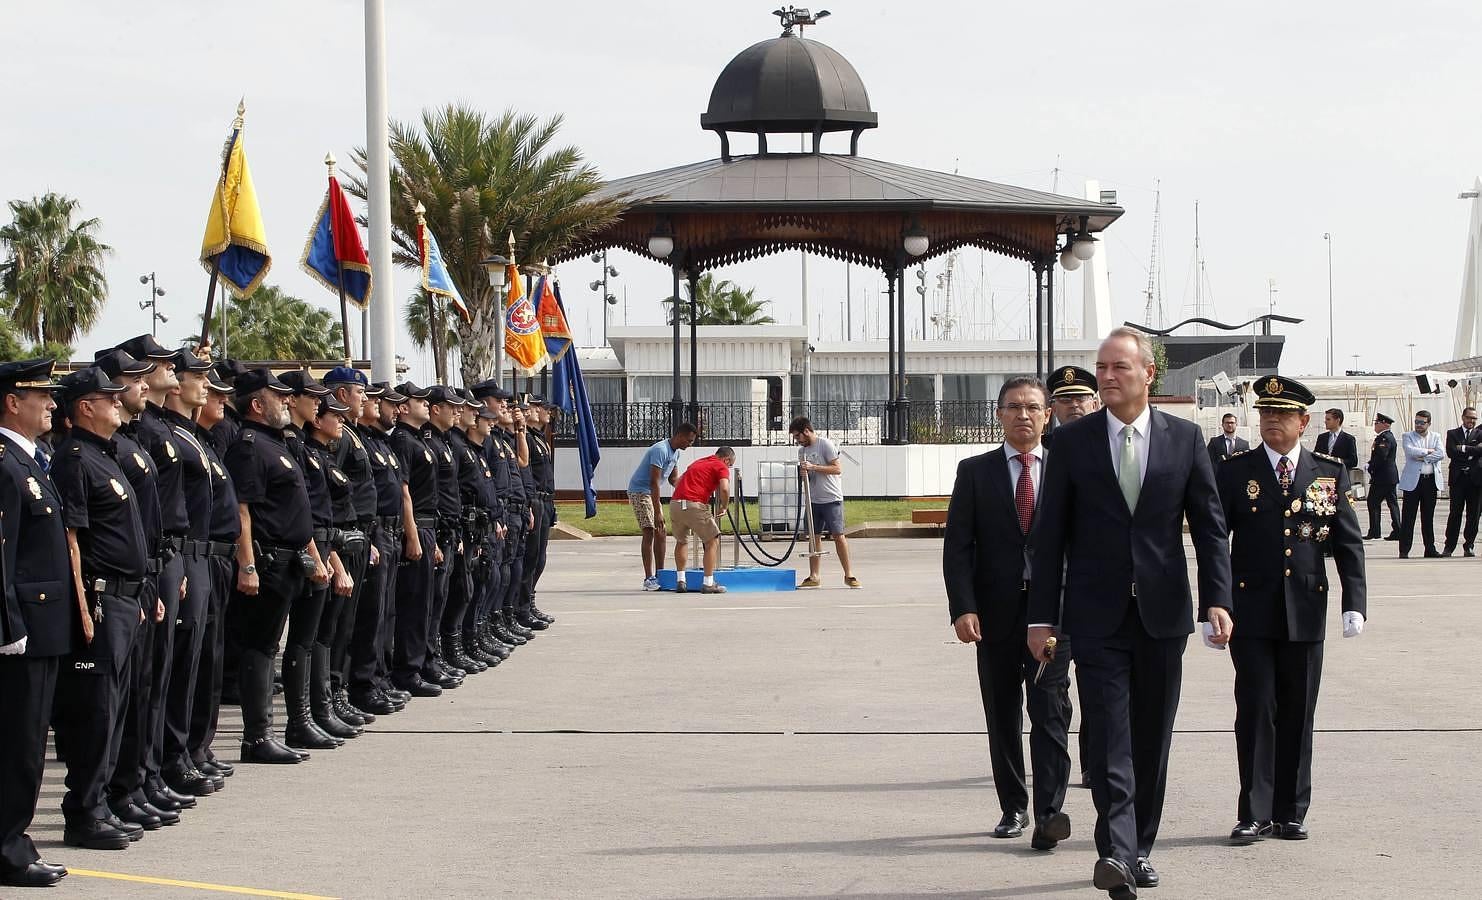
(817, 744)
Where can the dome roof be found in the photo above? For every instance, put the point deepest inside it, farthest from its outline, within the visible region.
(791, 85)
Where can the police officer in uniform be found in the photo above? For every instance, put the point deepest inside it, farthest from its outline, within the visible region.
(510, 452)
(492, 399)
(369, 675)
(475, 488)
(221, 550)
(442, 415)
(415, 580)
(39, 620)
(542, 508)
(1383, 477)
(277, 530)
(1284, 506)
(106, 546)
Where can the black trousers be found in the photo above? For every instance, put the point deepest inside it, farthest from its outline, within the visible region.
(414, 587)
(514, 546)
(189, 639)
(485, 577)
(127, 777)
(1465, 497)
(339, 630)
(206, 704)
(90, 702)
(460, 587)
(27, 689)
(1006, 673)
(534, 561)
(305, 613)
(1129, 685)
(442, 583)
(1380, 496)
(1276, 685)
(1422, 502)
(172, 574)
(371, 638)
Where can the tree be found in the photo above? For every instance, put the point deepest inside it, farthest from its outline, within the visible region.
(720, 303)
(273, 325)
(52, 276)
(481, 179)
(415, 319)
(1160, 359)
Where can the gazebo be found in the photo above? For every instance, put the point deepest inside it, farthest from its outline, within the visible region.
(840, 205)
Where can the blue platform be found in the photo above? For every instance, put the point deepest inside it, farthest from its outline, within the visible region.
(748, 580)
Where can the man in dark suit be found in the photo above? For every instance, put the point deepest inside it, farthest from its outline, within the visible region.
(984, 564)
(1117, 491)
(1286, 508)
(39, 617)
(1464, 446)
(1226, 444)
(1383, 476)
(1336, 442)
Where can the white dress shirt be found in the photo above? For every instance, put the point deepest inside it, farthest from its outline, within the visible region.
(24, 443)
(1114, 437)
(1291, 459)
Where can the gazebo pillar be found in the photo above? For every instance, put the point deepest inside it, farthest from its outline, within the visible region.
(1050, 315)
(889, 427)
(676, 402)
(902, 434)
(694, 273)
(1038, 319)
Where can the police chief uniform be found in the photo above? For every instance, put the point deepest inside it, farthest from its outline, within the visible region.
(272, 495)
(39, 625)
(415, 580)
(100, 512)
(1283, 511)
(1383, 477)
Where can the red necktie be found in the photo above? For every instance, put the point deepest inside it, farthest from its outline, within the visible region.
(1024, 492)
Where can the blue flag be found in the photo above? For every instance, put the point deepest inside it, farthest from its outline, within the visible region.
(570, 391)
(333, 255)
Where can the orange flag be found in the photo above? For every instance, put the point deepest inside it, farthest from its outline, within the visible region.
(523, 343)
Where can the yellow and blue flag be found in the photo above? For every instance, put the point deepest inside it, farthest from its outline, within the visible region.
(235, 244)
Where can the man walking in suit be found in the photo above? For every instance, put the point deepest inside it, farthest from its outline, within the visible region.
(1382, 479)
(984, 564)
(1334, 441)
(1464, 446)
(1286, 509)
(1117, 550)
(1226, 444)
(1421, 481)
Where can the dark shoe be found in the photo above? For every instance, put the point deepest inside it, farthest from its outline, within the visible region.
(306, 735)
(94, 834)
(348, 712)
(440, 677)
(166, 816)
(379, 704)
(1392, 536)
(132, 812)
(269, 750)
(1468, 551)
(1447, 552)
(543, 616)
(184, 780)
(157, 787)
(1291, 831)
(158, 800)
(1371, 537)
(1113, 876)
(1011, 825)
(1246, 832)
(132, 831)
(1404, 556)
(1049, 831)
(417, 687)
(1144, 873)
(1432, 554)
(530, 622)
(213, 766)
(394, 693)
(37, 874)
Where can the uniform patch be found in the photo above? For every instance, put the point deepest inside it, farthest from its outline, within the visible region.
(139, 461)
(313, 462)
(428, 454)
(118, 489)
(380, 459)
(1252, 489)
(34, 487)
(169, 449)
(287, 463)
(217, 468)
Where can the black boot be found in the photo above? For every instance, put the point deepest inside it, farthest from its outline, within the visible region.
(348, 712)
(256, 686)
(514, 627)
(543, 616)
(320, 702)
(500, 629)
(458, 655)
(301, 730)
(528, 619)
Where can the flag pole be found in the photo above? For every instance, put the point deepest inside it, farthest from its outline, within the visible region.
(340, 269)
(226, 155)
(439, 365)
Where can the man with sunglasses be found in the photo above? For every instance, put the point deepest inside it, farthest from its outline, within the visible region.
(1421, 481)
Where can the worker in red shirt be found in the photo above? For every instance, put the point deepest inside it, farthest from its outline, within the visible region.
(689, 510)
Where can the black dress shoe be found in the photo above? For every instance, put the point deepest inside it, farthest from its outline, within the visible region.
(1011, 825)
(441, 678)
(131, 830)
(158, 786)
(1113, 876)
(396, 694)
(1447, 552)
(94, 834)
(1291, 831)
(1144, 873)
(166, 816)
(1392, 536)
(1049, 831)
(380, 705)
(37, 874)
(417, 687)
(132, 812)
(190, 781)
(269, 750)
(1247, 832)
(1431, 554)
(222, 767)
(1371, 537)
(148, 796)
(1468, 551)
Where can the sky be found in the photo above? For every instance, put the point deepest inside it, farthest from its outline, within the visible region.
(1283, 121)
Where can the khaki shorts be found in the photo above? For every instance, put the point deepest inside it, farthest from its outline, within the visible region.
(643, 510)
(690, 516)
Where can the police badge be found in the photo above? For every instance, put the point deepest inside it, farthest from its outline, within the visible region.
(118, 489)
(1252, 489)
(34, 487)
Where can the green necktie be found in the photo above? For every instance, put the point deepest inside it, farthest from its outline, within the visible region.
(1128, 476)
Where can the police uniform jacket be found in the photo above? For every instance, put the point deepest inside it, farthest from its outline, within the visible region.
(139, 469)
(420, 468)
(341, 493)
(316, 480)
(504, 456)
(449, 499)
(1276, 558)
(475, 482)
(226, 522)
(195, 474)
(353, 457)
(386, 468)
(159, 441)
(1382, 471)
(39, 595)
(271, 485)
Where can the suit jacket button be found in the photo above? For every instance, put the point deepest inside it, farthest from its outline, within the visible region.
(41, 597)
(1289, 551)
(1288, 514)
(1286, 532)
(1242, 584)
(1288, 573)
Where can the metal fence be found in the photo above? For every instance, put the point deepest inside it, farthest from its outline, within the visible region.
(747, 424)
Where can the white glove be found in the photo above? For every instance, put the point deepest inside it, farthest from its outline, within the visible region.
(1207, 629)
(15, 649)
(1353, 624)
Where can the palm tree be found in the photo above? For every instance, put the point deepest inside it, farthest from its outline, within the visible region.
(720, 303)
(416, 322)
(273, 325)
(52, 275)
(481, 179)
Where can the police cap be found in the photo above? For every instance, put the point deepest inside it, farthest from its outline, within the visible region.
(117, 363)
(346, 375)
(146, 347)
(301, 382)
(185, 361)
(91, 380)
(28, 374)
(1071, 381)
(409, 389)
(254, 380)
(1280, 392)
(1381, 417)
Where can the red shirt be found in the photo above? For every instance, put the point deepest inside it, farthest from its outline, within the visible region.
(700, 480)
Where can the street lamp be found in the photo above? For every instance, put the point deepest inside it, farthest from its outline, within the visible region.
(921, 290)
(661, 242)
(152, 304)
(1329, 238)
(915, 241)
(497, 268)
(601, 283)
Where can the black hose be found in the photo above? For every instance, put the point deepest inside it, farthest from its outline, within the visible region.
(752, 535)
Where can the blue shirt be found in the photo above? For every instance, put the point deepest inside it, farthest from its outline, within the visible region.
(662, 455)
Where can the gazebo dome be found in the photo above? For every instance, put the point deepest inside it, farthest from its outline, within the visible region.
(788, 85)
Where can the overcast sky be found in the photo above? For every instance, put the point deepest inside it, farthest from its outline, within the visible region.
(1284, 120)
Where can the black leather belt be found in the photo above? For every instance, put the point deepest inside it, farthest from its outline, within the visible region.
(175, 542)
(392, 524)
(221, 548)
(127, 588)
(323, 535)
(196, 549)
(429, 522)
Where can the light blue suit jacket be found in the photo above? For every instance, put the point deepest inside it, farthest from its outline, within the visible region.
(1418, 449)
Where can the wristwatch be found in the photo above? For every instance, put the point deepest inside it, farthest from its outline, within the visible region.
(250, 570)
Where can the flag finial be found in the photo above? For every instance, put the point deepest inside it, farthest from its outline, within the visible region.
(420, 210)
(241, 113)
(329, 162)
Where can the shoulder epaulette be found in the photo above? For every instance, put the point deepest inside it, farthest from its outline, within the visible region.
(1235, 454)
(1329, 458)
